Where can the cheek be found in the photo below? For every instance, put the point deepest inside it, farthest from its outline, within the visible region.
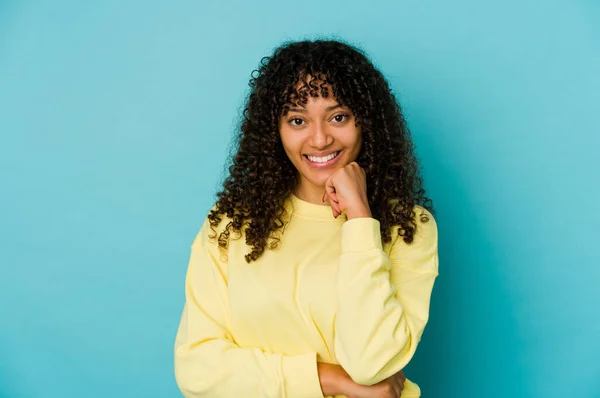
(284, 137)
(354, 140)
(290, 145)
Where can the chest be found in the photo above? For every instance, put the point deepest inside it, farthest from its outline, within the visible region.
(289, 294)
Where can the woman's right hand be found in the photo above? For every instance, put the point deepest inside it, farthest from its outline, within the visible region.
(335, 381)
(389, 388)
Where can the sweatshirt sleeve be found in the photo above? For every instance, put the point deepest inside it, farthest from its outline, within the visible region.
(383, 301)
(208, 363)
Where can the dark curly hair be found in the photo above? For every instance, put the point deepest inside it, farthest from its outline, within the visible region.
(261, 176)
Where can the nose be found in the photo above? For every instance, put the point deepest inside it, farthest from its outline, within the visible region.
(320, 137)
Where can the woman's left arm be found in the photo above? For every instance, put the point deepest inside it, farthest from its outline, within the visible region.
(383, 301)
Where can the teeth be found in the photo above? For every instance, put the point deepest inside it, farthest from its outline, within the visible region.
(323, 159)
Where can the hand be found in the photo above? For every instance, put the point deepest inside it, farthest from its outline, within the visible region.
(389, 388)
(336, 381)
(346, 191)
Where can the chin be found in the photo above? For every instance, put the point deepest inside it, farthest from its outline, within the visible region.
(318, 177)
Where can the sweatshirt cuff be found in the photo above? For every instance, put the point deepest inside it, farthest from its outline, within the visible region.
(301, 376)
(360, 235)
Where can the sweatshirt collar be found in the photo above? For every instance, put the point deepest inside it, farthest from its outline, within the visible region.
(304, 209)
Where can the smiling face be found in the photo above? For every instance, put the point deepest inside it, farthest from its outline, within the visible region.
(319, 138)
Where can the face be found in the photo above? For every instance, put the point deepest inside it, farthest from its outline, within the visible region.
(319, 138)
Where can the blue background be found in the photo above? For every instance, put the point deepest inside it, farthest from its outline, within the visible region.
(115, 120)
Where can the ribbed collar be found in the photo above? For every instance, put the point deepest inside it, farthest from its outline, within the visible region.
(312, 211)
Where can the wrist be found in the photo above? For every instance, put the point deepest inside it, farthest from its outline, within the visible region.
(359, 213)
(358, 210)
(333, 378)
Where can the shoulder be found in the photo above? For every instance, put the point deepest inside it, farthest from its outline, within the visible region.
(422, 252)
(424, 222)
(426, 225)
(211, 227)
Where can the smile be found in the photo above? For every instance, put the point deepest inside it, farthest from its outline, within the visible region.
(323, 161)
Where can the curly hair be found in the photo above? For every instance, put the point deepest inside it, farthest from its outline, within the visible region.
(261, 176)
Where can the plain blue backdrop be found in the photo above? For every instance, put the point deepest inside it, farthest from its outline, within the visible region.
(115, 121)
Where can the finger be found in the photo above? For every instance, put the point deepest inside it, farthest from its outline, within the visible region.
(332, 198)
(331, 192)
(396, 387)
(401, 380)
(335, 209)
(336, 205)
(328, 197)
(329, 187)
(401, 376)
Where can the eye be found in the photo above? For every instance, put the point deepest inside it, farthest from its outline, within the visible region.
(296, 121)
(340, 118)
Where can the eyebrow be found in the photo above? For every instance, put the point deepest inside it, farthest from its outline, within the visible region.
(303, 110)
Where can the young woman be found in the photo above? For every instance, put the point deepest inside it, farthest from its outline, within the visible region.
(313, 272)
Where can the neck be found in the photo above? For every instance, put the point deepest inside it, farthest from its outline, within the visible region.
(313, 194)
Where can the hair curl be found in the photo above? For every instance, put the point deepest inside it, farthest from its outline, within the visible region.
(261, 176)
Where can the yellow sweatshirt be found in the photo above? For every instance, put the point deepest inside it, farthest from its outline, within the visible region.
(330, 293)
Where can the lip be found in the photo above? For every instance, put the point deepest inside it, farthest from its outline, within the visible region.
(327, 164)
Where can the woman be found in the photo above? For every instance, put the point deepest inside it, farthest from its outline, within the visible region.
(312, 274)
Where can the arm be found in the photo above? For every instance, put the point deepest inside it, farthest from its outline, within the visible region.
(336, 381)
(208, 363)
(383, 301)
